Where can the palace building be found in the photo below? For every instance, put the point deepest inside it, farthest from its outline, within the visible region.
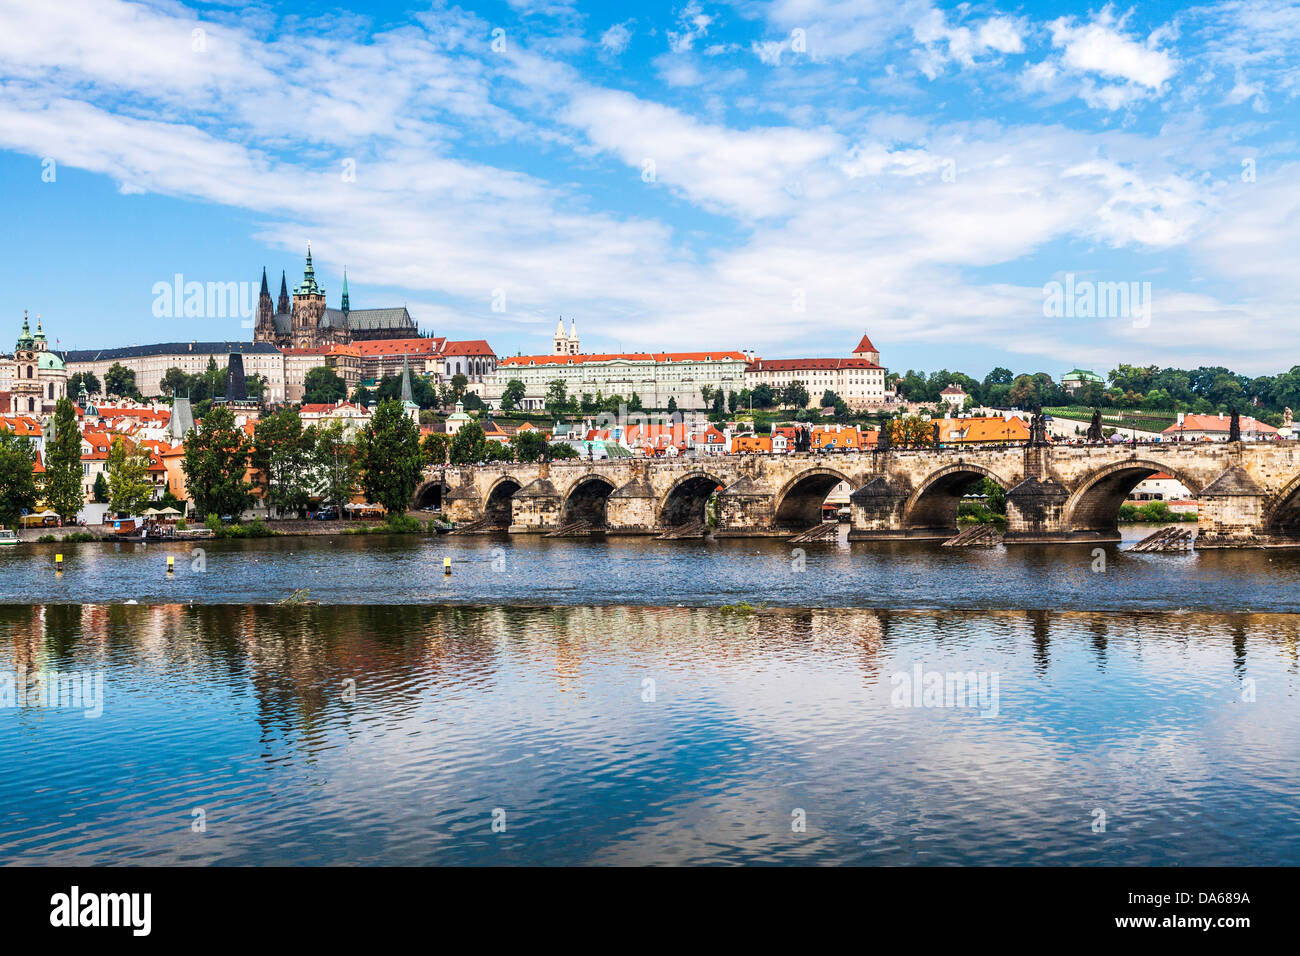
(308, 323)
(859, 379)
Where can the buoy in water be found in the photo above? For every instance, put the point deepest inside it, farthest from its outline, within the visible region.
(446, 565)
(171, 564)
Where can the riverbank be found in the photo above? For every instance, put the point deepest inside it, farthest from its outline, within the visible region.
(288, 527)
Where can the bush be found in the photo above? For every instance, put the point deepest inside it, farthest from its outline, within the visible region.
(46, 539)
(1153, 512)
(80, 536)
(181, 525)
(402, 524)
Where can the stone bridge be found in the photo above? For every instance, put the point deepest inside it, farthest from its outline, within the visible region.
(1248, 491)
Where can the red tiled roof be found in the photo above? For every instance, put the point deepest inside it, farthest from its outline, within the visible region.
(1213, 423)
(418, 346)
(516, 360)
(807, 364)
(469, 347)
(865, 345)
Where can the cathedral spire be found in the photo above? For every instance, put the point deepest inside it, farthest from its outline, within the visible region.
(309, 286)
(266, 291)
(345, 290)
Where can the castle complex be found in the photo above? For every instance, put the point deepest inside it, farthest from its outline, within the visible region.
(308, 323)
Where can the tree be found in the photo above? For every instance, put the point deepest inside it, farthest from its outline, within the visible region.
(322, 386)
(672, 405)
(458, 385)
(100, 490)
(763, 396)
(61, 485)
(89, 379)
(174, 382)
(560, 450)
(795, 395)
(435, 446)
(634, 402)
(390, 458)
(282, 459)
(17, 482)
(129, 488)
(216, 459)
(557, 399)
(512, 394)
(529, 444)
(334, 464)
(468, 445)
(706, 393)
(120, 381)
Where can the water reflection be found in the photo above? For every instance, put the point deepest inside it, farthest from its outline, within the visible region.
(649, 734)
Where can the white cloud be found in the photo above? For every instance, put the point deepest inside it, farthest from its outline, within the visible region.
(857, 212)
(693, 25)
(616, 39)
(1099, 48)
(943, 43)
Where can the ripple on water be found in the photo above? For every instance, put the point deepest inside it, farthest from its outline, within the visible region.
(640, 734)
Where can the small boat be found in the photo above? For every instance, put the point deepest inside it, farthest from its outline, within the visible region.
(7, 537)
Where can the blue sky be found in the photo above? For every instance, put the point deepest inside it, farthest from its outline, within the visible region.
(778, 176)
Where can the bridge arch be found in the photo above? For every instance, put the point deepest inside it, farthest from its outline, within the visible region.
(1094, 505)
(799, 502)
(586, 500)
(686, 502)
(933, 505)
(428, 496)
(1282, 516)
(498, 505)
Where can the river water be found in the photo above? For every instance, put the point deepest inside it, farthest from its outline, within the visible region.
(571, 701)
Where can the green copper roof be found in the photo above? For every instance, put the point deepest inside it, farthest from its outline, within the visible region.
(25, 336)
(309, 286)
(49, 360)
(40, 333)
(344, 306)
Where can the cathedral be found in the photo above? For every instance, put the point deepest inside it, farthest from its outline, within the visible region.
(308, 323)
(36, 378)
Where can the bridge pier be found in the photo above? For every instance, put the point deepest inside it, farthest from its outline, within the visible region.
(631, 508)
(462, 503)
(876, 511)
(536, 508)
(1036, 515)
(1231, 513)
(745, 509)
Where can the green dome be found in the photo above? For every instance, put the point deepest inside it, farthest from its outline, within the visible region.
(50, 361)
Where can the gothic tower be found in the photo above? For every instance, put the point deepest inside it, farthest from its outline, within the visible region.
(308, 308)
(264, 331)
(283, 307)
(343, 307)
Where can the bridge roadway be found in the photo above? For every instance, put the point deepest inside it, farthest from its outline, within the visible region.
(1248, 491)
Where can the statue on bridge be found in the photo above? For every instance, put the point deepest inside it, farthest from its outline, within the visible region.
(1234, 427)
(1038, 427)
(886, 427)
(1094, 429)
